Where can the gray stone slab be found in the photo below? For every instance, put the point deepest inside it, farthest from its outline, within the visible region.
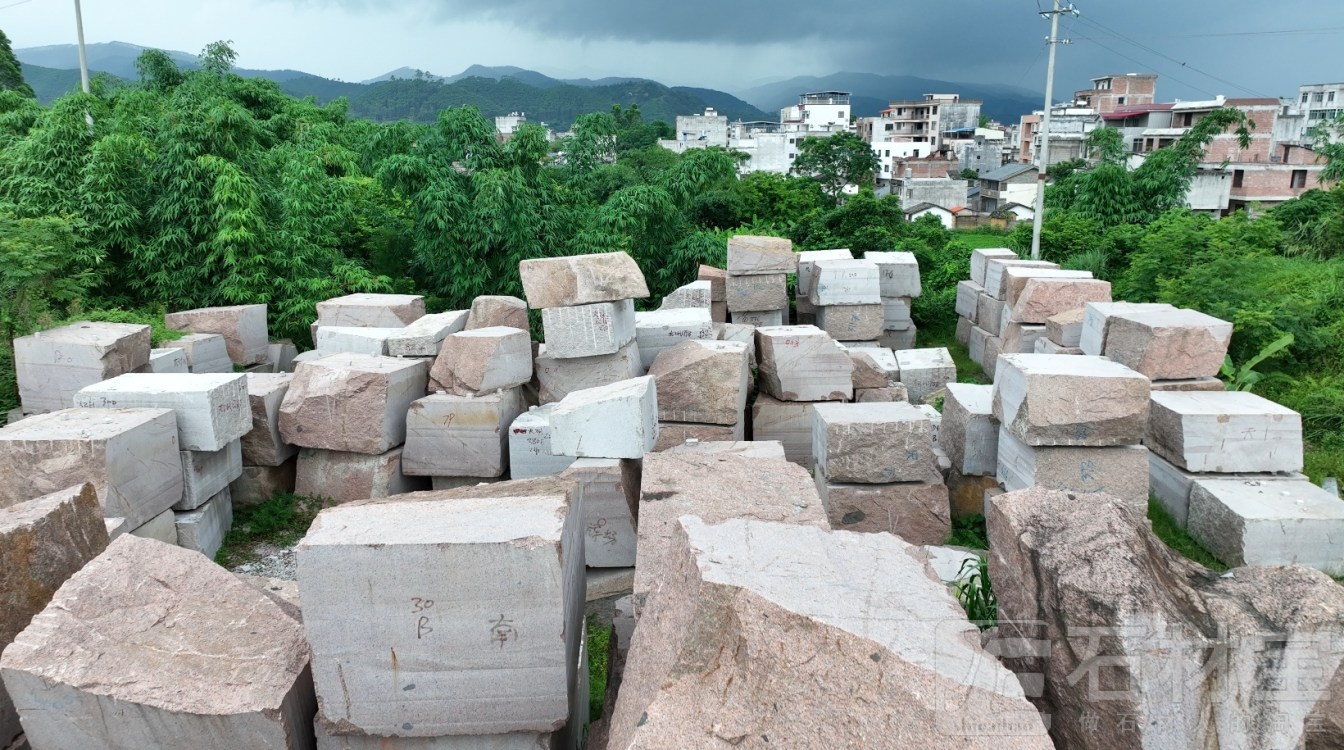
(53, 365)
(203, 529)
(1268, 523)
(370, 342)
(243, 327)
(663, 329)
(581, 280)
(852, 322)
(994, 283)
(263, 445)
(896, 313)
(172, 359)
(207, 473)
(206, 353)
(980, 260)
(424, 337)
(212, 410)
(1225, 432)
(763, 292)
(872, 443)
(924, 371)
(557, 378)
(845, 282)
(803, 363)
(160, 528)
(588, 330)
(530, 446)
(694, 294)
(1096, 322)
(613, 421)
(788, 422)
(969, 433)
(1119, 471)
(1045, 399)
(460, 436)
(968, 297)
(807, 261)
(761, 318)
(1171, 485)
(130, 456)
(347, 477)
(610, 489)
(899, 272)
(371, 310)
(351, 402)
(750, 255)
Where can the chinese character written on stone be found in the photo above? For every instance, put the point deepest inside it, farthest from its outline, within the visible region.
(502, 631)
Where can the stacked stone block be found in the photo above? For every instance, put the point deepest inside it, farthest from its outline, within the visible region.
(969, 435)
(798, 366)
(846, 298)
(703, 388)
(205, 353)
(718, 294)
(807, 260)
(530, 445)
(243, 328)
(52, 366)
(756, 286)
(1073, 424)
(877, 471)
(348, 412)
(900, 285)
(268, 461)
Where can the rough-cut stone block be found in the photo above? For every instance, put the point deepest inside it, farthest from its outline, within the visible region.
(674, 434)
(257, 484)
(899, 273)
(807, 262)
(803, 363)
(990, 313)
(1169, 344)
(964, 327)
(351, 403)
(1097, 319)
(371, 310)
(995, 283)
(508, 741)
(169, 360)
(581, 280)
(980, 261)
(53, 365)
(765, 292)
(613, 421)
(1120, 471)
(751, 449)
(754, 256)
(43, 542)
(914, 511)
(371, 342)
(130, 457)
(694, 294)
(206, 353)
(924, 371)
(588, 330)
(557, 378)
(419, 576)
(207, 473)
(483, 360)
(1056, 287)
(702, 381)
(789, 422)
(424, 337)
(990, 363)
(242, 326)
(896, 313)
(969, 433)
(530, 446)
(197, 659)
(716, 487)
(460, 436)
(1045, 346)
(968, 300)
(898, 638)
(1065, 566)
(890, 394)
(1192, 384)
(1066, 328)
(1251, 522)
(1049, 400)
(203, 529)
(966, 492)
(716, 278)
(493, 311)
(845, 282)
(874, 367)
(761, 318)
(1225, 432)
(1021, 338)
(211, 410)
(345, 477)
(281, 354)
(263, 445)
(664, 329)
(610, 490)
(1042, 297)
(852, 322)
(872, 443)
(898, 340)
(1170, 485)
(160, 528)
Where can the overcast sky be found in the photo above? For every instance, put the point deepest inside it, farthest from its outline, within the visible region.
(1257, 47)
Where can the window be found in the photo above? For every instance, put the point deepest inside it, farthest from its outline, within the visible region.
(1330, 98)
(1120, 100)
(1238, 177)
(1138, 146)
(1304, 98)
(1299, 179)
(1317, 97)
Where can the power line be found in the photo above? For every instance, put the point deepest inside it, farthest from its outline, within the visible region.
(1144, 63)
(1181, 63)
(1326, 30)
(15, 5)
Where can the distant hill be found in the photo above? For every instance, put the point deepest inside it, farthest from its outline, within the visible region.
(500, 72)
(872, 92)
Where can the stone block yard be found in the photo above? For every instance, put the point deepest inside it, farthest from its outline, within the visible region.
(725, 522)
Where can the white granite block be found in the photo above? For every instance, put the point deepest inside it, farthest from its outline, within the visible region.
(614, 421)
(211, 409)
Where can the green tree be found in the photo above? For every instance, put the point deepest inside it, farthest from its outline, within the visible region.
(836, 161)
(11, 72)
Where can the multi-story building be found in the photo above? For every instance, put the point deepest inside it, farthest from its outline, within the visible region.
(507, 125)
(1109, 93)
(819, 112)
(1011, 183)
(1320, 102)
(1069, 126)
(709, 129)
(922, 120)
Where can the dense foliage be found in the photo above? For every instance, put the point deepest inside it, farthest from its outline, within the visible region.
(200, 187)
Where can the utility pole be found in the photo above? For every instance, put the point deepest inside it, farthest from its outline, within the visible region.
(83, 58)
(1053, 41)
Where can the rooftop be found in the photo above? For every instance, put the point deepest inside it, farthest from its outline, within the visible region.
(1008, 171)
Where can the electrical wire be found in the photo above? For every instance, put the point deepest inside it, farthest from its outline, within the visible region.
(1137, 61)
(1325, 30)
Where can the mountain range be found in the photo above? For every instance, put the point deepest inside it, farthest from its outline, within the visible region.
(410, 94)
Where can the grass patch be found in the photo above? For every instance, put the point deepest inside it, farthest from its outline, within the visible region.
(159, 334)
(978, 240)
(1324, 459)
(599, 646)
(969, 531)
(280, 521)
(1175, 537)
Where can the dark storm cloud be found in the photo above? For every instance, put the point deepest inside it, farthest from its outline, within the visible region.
(989, 40)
